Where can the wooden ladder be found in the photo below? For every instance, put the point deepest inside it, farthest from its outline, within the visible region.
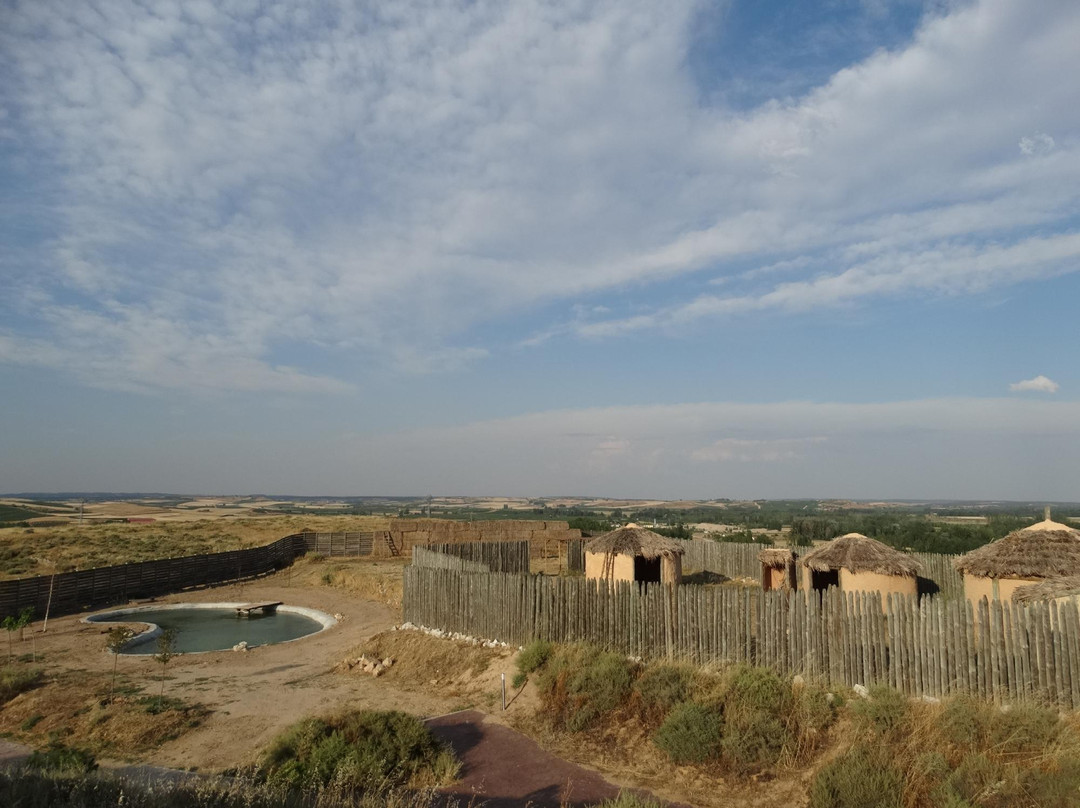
(394, 551)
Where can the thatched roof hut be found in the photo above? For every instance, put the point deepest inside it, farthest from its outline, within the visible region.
(858, 553)
(633, 553)
(1052, 589)
(778, 569)
(635, 541)
(776, 558)
(1047, 549)
(857, 563)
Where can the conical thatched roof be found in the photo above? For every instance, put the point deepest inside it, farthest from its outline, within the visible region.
(1049, 589)
(1044, 550)
(635, 541)
(776, 557)
(858, 553)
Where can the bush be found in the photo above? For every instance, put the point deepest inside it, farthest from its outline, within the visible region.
(1025, 729)
(362, 749)
(62, 759)
(884, 711)
(692, 733)
(531, 658)
(661, 687)
(759, 690)
(15, 679)
(963, 721)
(758, 718)
(860, 778)
(753, 740)
(578, 685)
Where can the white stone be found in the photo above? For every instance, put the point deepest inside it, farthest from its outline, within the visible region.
(861, 691)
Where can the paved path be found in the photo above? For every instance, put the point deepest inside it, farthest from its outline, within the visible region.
(505, 769)
(11, 752)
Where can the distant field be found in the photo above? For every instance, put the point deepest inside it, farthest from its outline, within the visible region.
(16, 513)
(35, 551)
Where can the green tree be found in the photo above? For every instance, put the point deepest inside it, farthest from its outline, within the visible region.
(166, 644)
(13, 623)
(115, 640)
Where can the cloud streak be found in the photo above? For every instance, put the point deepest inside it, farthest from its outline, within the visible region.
(222, 188)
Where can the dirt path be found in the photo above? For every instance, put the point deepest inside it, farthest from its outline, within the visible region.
(501, 768)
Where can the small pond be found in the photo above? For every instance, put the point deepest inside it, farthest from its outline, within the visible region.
(215, 626)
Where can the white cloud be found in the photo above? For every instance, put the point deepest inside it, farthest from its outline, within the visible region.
(226, 184)
(1040, 384)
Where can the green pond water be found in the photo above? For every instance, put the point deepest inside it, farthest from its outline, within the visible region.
(217, 629)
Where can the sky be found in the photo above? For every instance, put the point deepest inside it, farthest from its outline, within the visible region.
(607, 248)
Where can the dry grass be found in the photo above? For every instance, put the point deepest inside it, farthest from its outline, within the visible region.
(41, 550)
(378, 581)
(73, 707)
(422, 660)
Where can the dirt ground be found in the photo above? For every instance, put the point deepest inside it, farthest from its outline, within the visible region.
(251, 695)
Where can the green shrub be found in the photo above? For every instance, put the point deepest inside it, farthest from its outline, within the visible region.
(62, 759)
(361, 749)
(814, 711)
(30, 722)
(884, 711)
(759, 717)
(530, 659)
(1053, 785)
(579, 684)
(661, 687)
(963, 721)
(759, 690)
(860, 778)
(598, 688)
(692, 733)
(15, 679)
(1025, 729)
(753, 740)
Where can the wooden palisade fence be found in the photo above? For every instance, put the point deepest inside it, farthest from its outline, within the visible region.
(933, 646)
(505, 556)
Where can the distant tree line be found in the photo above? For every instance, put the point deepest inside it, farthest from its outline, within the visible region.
(906, 531)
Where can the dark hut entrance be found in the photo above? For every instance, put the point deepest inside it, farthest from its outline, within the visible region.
(647, 571)
(823, 580)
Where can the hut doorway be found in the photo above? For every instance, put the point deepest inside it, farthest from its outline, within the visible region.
(647, 571)
(821, 581)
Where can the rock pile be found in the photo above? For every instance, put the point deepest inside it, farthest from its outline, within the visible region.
(362, 664)
(451, 635)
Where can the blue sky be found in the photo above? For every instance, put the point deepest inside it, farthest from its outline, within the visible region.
(609, 248)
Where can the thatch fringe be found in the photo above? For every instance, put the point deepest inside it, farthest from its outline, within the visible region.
(858, 553)
(635, 541)
(777, 558)
(1048, 590)
(1044, 550)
